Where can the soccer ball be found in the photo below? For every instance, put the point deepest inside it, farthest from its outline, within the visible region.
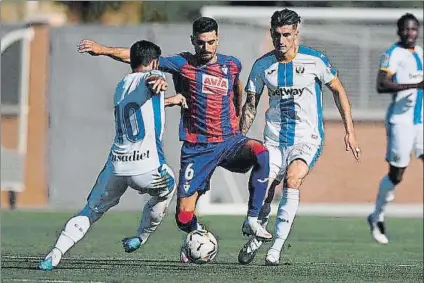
(200, 246)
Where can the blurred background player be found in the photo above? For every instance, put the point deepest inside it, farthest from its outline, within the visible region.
(294, 129)
(400, 74)
(136, 158)
(210, 127)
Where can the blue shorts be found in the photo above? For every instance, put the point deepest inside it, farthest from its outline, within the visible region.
(199, 160)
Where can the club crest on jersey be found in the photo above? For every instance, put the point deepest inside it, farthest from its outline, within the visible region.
(300, 69)
(224, 69)
(287, 92)
(214, 85)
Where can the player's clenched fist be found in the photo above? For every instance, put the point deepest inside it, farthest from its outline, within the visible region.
(90, 47)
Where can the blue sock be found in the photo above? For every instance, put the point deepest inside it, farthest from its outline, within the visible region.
(258, 183)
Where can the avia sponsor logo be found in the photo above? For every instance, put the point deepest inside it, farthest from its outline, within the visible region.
(214, 85)
(287, 92)
(134, 156)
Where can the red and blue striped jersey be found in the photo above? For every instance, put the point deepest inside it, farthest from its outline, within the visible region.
(211, 114)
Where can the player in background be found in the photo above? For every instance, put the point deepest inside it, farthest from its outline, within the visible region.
(294, 132)
(136, 157)
(210, 127)
(401, 75)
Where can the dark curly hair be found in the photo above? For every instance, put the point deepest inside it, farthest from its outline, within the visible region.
(284, 17)
(407, 17)
(205, 24)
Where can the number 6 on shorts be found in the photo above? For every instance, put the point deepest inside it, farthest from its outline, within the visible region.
(189, 172)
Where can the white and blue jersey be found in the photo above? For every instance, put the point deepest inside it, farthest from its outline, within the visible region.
(406, 66)
(139, 125)
(295, 96)
(404, 119)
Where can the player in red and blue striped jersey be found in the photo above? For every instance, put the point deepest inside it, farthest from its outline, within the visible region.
(209, 126)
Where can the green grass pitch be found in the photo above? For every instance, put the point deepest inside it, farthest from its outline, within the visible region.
(319, 250)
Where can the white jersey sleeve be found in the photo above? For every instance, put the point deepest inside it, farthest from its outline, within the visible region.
(256, 80)
(325, 71)
(406, 66)
(390, 60)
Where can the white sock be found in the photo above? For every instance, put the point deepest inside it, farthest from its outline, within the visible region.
(385, 195)
(153, 213)
(74, 230)
(252, 219)
(286, 212)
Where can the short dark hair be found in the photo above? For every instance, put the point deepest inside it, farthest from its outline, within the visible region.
(407, 17)
(284, 17)
(205, 24)
(143, 52)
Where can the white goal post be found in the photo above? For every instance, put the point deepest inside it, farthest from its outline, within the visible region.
(260, 16)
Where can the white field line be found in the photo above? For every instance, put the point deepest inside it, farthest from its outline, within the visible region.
(5, 258)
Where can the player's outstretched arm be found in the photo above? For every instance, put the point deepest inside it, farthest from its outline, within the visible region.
(93, 48)
(385, 83)
(248, 113)
(342, 102)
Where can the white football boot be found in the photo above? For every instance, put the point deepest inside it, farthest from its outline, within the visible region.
(253, 228)
(272, 257)
(51, 260)
(378, 230)
(248, 252)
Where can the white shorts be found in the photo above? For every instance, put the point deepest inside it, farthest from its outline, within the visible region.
(109, 187)
(401, 141)
(281, 157)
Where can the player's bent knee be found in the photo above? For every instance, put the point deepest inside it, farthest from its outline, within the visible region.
(293, 181)
(158, 209)
(90, 213)
(261, 154)
(257, 147)
(170, 193)
(396, 175)
(395, 179)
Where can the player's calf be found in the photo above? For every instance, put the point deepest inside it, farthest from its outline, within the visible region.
(185, 218)
(296, 173)
(287, 208)
(74, 231)
(153, 213)
(258, 184)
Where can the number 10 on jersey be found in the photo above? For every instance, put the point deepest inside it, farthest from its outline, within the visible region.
(129, 122)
